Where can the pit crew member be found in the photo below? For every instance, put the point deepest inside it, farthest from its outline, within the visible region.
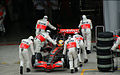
(86, 26)
(71, 44)
(40, 41)
(2, 17)
(116, 44)
(23, 53)
(42, 25)
(79, 38)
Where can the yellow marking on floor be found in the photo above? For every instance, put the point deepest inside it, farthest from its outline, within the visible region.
(83, 70)
(118, 68)
(82, 73)
(3, 63)
(91, 69)
(18, 62)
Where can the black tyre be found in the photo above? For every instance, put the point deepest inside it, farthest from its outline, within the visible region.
(103, 45)
(104, 69)
(66, 64)
(104, 58)
(104, 62)
(39, 56)
(109, 43)
(103, 52)
(105, 34)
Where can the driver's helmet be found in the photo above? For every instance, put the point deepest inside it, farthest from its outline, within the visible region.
(60, 43)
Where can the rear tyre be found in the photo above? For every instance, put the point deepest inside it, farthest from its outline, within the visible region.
(66, 62)
(39, 56)
(33, 60)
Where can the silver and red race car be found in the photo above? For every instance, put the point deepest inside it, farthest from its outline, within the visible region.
(53, 60)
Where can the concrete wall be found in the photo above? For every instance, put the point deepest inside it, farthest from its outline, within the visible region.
(111, 14)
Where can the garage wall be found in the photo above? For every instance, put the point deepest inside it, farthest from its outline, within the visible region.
(111, 14)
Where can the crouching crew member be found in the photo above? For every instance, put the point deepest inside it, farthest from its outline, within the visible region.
(24, 54)
(79, 38)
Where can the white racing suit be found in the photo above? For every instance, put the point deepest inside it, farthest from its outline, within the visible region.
(79, 38)
(42, 25)
(116, 44)
(41, 35)
(86, 26)
(41, 39)
(71, 46)
(2, 17)
(23, 52)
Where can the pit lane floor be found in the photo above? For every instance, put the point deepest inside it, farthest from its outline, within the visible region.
(9, 64)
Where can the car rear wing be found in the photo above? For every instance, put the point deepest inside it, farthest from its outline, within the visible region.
(69, 31)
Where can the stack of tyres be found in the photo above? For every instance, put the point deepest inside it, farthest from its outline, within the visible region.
(104, 55)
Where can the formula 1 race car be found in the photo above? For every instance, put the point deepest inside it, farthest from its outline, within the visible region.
(52, 61)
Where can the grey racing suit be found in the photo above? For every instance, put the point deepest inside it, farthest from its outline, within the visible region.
(41, 39)
(42, 25)
(79, 38)
(23, 52)
(86, 26)
(71, 45)
(116, 44)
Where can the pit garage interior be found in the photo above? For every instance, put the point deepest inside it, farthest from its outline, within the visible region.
(22, 15)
